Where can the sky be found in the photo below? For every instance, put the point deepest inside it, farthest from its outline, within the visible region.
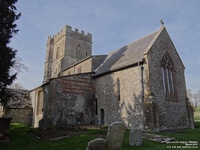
(112, 23)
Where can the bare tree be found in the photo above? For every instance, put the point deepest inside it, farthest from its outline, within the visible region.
(16, 86)
(19, 66)
(190, 95)
(197, 98)
(194, 98)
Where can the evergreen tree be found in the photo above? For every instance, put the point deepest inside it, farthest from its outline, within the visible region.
(8, 16)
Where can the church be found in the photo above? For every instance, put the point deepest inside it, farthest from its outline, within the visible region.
(141, 84)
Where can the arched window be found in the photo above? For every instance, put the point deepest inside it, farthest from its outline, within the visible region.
(79, 51)
(95, 107)
(102, 116)
(168, 77)
(118, 89)
(57, 53)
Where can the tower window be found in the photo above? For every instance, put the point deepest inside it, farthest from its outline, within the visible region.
(78, 51)
(57, 53)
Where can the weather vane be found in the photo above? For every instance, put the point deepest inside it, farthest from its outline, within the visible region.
(161, 21)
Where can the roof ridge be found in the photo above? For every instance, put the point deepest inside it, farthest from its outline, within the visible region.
(153, 40)
(128, 54)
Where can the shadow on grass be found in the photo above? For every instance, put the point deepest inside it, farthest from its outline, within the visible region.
(20, 139)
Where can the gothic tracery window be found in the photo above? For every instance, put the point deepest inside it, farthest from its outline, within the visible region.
(168, 77)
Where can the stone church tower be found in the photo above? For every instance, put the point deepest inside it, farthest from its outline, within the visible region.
(64, 49)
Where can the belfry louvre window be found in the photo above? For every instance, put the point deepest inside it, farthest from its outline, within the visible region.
(168, 77)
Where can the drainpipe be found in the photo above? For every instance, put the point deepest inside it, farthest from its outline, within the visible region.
(142, 78)
(142, 83)
(142, 90)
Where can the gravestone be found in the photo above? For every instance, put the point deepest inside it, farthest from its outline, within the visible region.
(135, 137)
(97, 144)
(115, 136)
(114, 140)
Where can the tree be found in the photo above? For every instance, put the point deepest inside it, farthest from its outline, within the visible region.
(8, 16)
(197, 98)
(190, 95)
(16, 86)
(194, 98)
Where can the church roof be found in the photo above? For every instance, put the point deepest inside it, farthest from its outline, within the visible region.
(127, 55)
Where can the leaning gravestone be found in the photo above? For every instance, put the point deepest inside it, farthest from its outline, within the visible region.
(135, 138)
(97, 144)
(115, 136)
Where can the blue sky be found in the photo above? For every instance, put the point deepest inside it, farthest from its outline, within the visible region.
(112, 23)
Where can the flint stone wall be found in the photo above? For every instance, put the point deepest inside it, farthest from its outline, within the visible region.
(172, 112)
(126, 109)
(19, 107)
(68, 100)
(19, 115)
(20, 99)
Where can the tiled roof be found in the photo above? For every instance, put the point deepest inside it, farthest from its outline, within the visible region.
(126, 56)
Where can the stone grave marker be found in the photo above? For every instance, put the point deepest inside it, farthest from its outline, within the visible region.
(97, 144)
(115, 136)
(114, 140)
(135, 137)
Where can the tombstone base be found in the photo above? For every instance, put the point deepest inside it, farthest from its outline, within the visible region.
(135, 138)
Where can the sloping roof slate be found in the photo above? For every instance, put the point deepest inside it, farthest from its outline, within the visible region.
(126, 56)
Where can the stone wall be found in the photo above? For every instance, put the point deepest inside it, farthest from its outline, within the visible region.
(123, 104)
(64, 49)
(68, 100)
(19, 115)
(82, 67)
(172, 112)
(37, 103)
(19, 107)
(20, 99)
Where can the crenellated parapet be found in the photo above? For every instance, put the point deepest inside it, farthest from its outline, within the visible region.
(68, 31)
(64, 49)
(50, 40)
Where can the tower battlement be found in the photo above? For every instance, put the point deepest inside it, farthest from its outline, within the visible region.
(50, 40)
(64, 49)
(67, 31)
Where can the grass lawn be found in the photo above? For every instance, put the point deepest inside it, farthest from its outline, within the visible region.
(21, 140)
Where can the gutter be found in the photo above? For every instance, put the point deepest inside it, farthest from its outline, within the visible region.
(118, 69)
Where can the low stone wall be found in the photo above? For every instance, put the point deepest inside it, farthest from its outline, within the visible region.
(19, 115)
(1, 110)
(20, 99)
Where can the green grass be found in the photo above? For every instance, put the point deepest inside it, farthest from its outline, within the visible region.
(21, 140)
(197, 114)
